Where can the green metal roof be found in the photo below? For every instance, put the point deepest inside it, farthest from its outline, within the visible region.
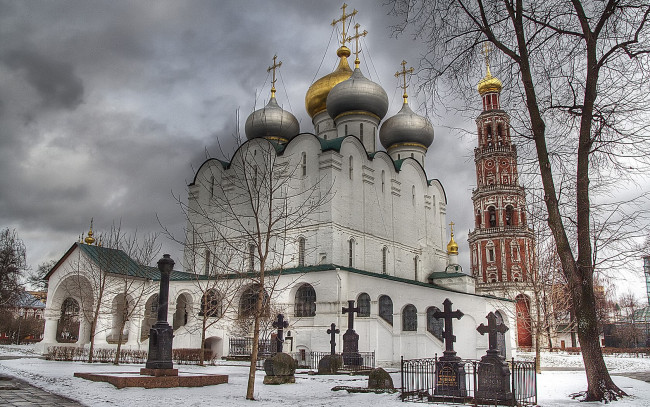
(333, 144)
(441, 274)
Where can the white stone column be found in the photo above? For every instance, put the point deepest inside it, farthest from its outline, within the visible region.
(134, 331)
(51, 325)
(84, 332)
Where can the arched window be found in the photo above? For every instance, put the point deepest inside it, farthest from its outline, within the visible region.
(68, 327)
(386, 309)
(251, 257)
(490, 252)
(509, 215)
(351, 167)
(363, 303)
(351, 244)
(383, 180)
(478, 219)
(515, 250)
(410, 318)
(303, 164)
(207, 262)
(492, 216)
(361, 131)
(301, 252)
(346, 130)
(248, 302)
(435, 326)
(305, 301)
(384, 255)
(211, 304)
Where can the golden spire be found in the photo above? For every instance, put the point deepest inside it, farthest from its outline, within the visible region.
(452, 246)
(343, 18)
(403, 73)
(489, 83)
(273, 68)
(90, 239)
(356, 37)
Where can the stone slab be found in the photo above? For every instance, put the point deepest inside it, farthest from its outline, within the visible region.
(121, 380)
(158, 372)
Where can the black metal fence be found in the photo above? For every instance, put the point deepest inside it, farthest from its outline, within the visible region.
(244, 347)
(420, 383)
(352, 362)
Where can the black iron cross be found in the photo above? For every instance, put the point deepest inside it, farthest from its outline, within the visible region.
(333, 331)
(280, 323)
(448, 333)
(492, 329)
(350, 310)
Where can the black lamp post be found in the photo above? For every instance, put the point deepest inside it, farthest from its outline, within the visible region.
(161, 334)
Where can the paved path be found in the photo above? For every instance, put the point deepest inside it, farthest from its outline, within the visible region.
(645, 376)
(18, 393)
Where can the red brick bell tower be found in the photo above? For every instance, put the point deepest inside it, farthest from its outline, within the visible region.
(502, 244)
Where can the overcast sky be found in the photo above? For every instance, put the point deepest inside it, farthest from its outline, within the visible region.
(107, 108)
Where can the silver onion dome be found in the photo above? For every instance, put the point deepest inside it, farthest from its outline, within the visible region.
(272, 122)
(357, 94)
(406, 127)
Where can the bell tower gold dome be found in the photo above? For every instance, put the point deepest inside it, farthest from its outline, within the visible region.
(316, 98)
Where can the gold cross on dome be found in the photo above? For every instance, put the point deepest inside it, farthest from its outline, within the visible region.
(486, 52)
(273, 68)
(356, 37)
(451, 225)
(342, 20)
(403, 72)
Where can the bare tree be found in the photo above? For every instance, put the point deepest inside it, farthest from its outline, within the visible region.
(36, 279)
(12, 265)
(580, 71)
(253, 209)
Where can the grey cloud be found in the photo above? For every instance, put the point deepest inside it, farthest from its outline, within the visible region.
(55, 81)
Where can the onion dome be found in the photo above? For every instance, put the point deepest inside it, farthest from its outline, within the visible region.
(406, 127)
(272, 122)
(489, 83)
(452, 246)
(90, 239)
(357, 94)
(316, 98)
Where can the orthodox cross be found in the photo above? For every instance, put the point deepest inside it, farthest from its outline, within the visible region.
(403, 73)
(350, 310)
(342, 20)
(492, 329)
(356, 37)
(333, 331)
(486, 52)
(451, 225)
(273, 68)
(448, 333)
(280, 323)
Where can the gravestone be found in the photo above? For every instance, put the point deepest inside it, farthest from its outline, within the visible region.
(380, 379)
(330, 364)
(351, 356)
(450, 370)
(280, 324)
(493, 372)
(280, 369)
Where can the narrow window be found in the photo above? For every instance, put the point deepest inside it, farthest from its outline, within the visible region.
(363, 302)
(251, 257)
(398, 157)
(490, 253)
(255, 178)
(413, 194)
(351, 167)
(509, 215)
(207, 262)
(304, 164)
(301, 252)
(346, 130)
(351, 252)
(412, 155)
(383, 180)
(212, 187)
(361, 130)
(384, 254)
(416, 259)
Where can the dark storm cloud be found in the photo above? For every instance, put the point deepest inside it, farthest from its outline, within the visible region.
(55, 81)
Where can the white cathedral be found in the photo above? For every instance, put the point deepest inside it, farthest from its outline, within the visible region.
(327, 215)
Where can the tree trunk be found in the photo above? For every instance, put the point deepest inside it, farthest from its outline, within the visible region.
(250, 389)
(93, 331)
(202, 351)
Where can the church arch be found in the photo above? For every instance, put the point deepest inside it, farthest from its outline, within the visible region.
(363, 303)
(305, 301)
(435, 326)
(120, 313)
(409, 318)
(150, 316)
(211, 306)
(386, 309)
(68, 327)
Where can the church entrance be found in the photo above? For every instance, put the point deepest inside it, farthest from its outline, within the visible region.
(524, 331)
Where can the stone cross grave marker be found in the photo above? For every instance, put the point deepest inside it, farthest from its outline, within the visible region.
(448, 315)
(492, 329)
(333, 331)
(350, 337)
(280, 324)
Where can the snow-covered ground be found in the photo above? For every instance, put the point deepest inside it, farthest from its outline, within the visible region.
(554, 387)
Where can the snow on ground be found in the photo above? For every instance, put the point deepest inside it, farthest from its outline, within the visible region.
(625, 363)
(308, 391)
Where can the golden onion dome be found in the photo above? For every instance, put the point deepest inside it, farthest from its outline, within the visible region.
(316, 98)
(489, 83)
(452, 246)
(90, 239)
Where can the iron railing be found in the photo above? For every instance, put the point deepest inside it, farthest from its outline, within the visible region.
(420, 384)
(244, 347)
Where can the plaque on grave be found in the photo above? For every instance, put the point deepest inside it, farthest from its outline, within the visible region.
(493, 372)
(450, 370)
